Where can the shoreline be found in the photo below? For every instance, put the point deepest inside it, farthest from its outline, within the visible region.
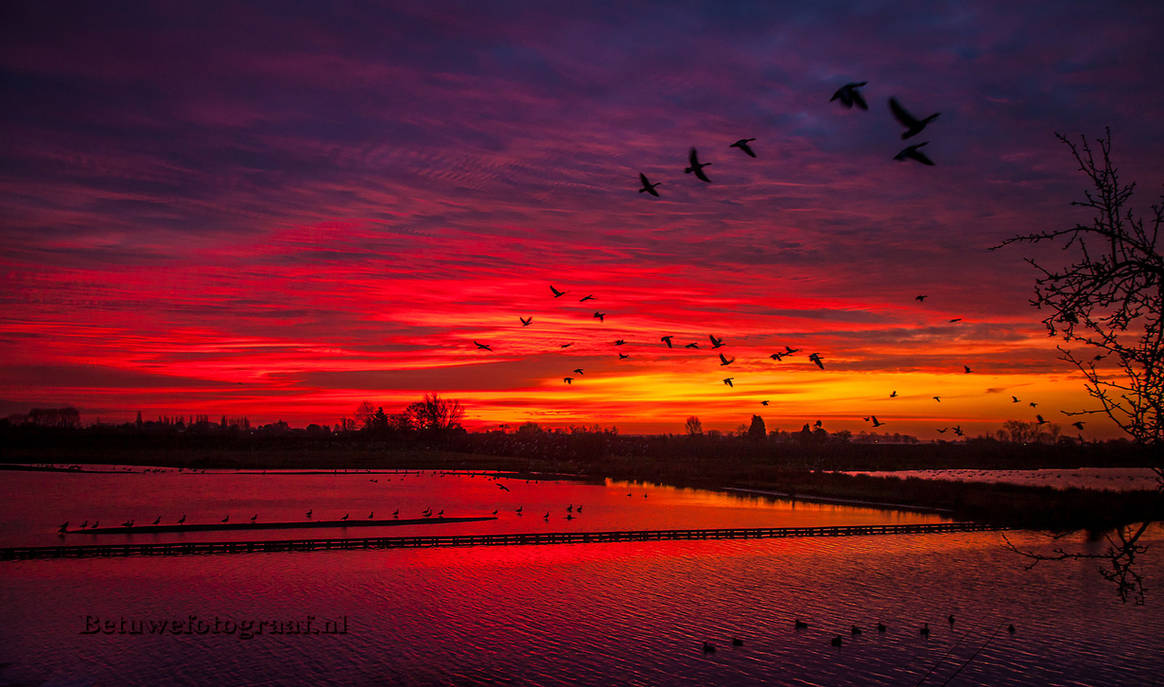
(839, 501)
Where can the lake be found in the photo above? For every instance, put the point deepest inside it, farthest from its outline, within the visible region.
(625, 613)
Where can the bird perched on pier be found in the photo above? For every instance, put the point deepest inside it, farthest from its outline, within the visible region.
(370, 514)
(127, 523)
(254, 517)
(914, 152)
(64, 526)
(815, 357)
(481, 346)
(697, 166)
(742, 144)
(850, 96)
(225, 520)
(913, 125)
(525, 322)
(648, 187)
(157, 520)
(96, 523)
(557, 293)
(308, 515)
(346, 516)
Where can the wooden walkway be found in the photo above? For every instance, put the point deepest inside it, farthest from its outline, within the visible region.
(211, 547)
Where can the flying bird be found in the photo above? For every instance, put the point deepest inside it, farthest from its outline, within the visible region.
(557, 293)
(920, 299)
(850, 96)
(566, 345)
(742, 144)
(692, 345)
(938, 399)
(666, 340)
(525, 322)
(623, 356)
(648, 187)
(1040, 419)
(914, 152)
(578, 371)
(697, 167)
(912, 124)
(893, 394)
(723, 360)
(967, 369)
(815, 357)
(600, 316)
(728, 381)
(1034, 404)
(876, 422)
(763, 403)
(715, 343)
(1078, 425)
(956, 319)
(943, 430)
(568, 380)
(482, 346)
(1014, 399)
(619, 342)
(586, 298)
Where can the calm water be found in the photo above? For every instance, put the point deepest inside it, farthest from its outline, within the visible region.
(1111, 479)
(632, 613)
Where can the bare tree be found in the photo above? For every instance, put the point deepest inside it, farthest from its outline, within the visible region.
(693, 426)
(1108, 299)
(435, 413)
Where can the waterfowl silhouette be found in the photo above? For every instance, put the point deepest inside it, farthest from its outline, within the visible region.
(724, 360)
(619, 342)
(850, 96)
(519, 509)
(692, 345)
(525, 322)
(568, 380)
(763, 403)
(956, 319)
(648, 187)
(1014, 399)
(557, 293)
(345, 517)
(600, 316)
(893, 394)
(566, 345)
(715, 343)
(482, 346)
(1078, 425)
(728, 381)
(937, 398)
(1040, 420)
(742, 144)
(914, 152)
(396, 513)
(225, 520)
(967, 369)
(697, 166)
(127, 523)
(815, 357)
(666, 340)
(876, 422)
(1034, 404)
(308, 515)
(370, 514)
(254, 518)
(913, 125)
(623, 356)
(585, 298)
(157, 520)
(920, 299)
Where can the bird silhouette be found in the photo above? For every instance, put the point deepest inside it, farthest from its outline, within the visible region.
(920, 299)
(715, 343)
(742, 144)
(502, 487)
(600, 316)
(893, 394)
(526, 322)
(482, 346)
(692, 345)
(881, 627)
(666, 340)
(724, 360)
(254, 517)
(127, 523)
(226, 519)
(1078, 425)
(950, 619)
(777, 356)
(728, 381)
(557, 293)
(914, 152)
(308, 515)
(938, 399)
(1034, 404)
(623, 356)
(913, 125)
(1040, 420)
(371, 514)
(396, 513)
(1014, 399)
(850, 96)
(876, 422)
(578, 371)
(956, 319)
(157, 519)
(789, 350)
(346, 516)
(815, 357)
(1010, 629)
(566, 345)
(568, 380)
(585, 298)
(648, 187)
(818, 424)
(967, 369)
(697, 167)
(619, 342)
(763, 403)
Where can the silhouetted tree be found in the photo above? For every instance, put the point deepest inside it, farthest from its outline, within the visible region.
(693, 426)
(364, 413)
(1110, 299)
(435, 413)
(757, 430)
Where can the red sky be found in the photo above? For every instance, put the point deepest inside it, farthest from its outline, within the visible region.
(282, 213)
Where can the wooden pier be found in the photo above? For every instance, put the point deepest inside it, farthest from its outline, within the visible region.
(540, 538)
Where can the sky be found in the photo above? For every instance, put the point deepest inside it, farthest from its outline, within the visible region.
(281, 210)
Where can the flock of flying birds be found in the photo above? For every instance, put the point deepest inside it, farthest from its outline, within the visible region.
(849, 96)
